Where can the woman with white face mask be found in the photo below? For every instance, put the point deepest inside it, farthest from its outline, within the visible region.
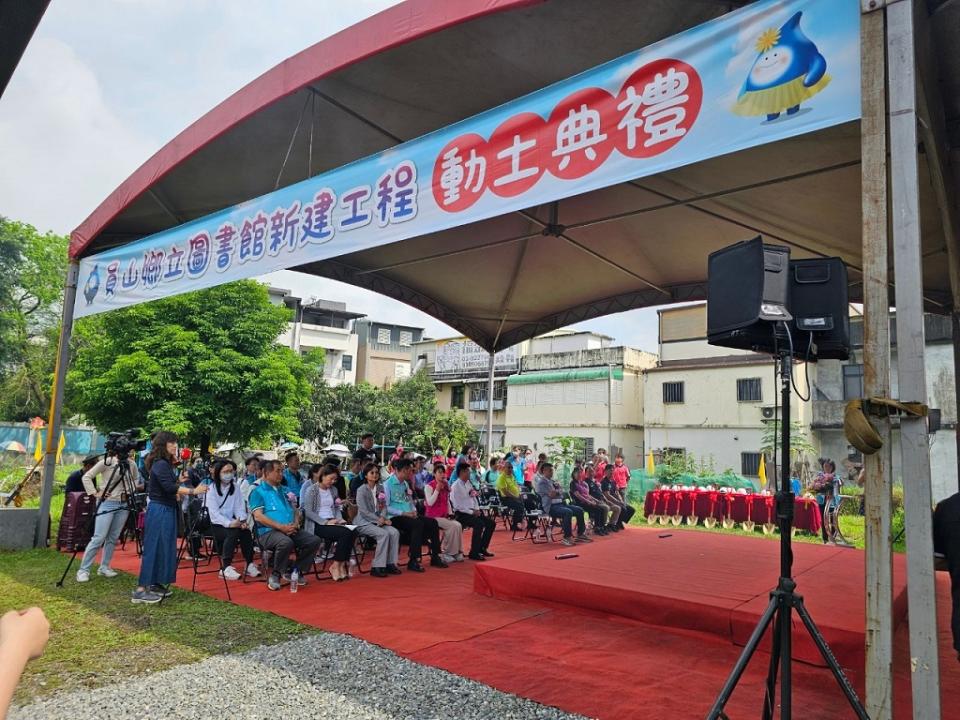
(228, 520)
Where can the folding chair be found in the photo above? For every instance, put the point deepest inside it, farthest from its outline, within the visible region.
(357, 555)
(537, 529)
(204, 541)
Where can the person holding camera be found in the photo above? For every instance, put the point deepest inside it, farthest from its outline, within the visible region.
(227, 511)
(158, 565)
(111, 512)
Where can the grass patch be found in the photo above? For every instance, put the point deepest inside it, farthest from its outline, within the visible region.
(98, 636)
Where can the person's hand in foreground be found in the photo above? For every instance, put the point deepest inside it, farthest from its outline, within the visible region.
(23, 636)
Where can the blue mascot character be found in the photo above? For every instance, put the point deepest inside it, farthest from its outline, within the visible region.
(92, 285)
(788, 70)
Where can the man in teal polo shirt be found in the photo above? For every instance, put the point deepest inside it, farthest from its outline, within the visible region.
(402, 514)
(278, 527)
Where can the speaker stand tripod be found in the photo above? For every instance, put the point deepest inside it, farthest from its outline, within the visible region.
(783, 601)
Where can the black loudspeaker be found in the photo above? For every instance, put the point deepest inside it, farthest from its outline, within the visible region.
(747, 293)
(818, 301)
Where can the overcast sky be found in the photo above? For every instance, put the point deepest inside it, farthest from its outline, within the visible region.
(105, 83)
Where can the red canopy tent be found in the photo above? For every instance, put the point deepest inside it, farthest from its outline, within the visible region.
(425, 64)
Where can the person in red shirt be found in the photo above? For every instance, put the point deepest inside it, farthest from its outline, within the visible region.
(600, 466)
(621, 473)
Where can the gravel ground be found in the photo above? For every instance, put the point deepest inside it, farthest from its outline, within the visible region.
(321, 676)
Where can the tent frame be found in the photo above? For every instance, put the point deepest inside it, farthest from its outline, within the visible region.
(889, 72)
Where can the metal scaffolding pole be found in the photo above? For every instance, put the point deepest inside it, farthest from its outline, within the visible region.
(56, 403)
(876, 366)
(915, 452)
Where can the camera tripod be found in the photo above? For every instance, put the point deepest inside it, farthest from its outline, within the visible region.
(783, 601)
(123, 477)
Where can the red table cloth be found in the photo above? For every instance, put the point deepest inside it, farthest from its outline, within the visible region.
(739, 507)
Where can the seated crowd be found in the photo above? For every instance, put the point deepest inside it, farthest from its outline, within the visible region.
(327, 518)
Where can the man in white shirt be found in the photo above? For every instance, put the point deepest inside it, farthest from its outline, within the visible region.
(466, 508)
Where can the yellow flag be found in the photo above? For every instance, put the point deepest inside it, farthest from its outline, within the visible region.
(762, 472)
(60, 446)
(38, 452)
(651, 468)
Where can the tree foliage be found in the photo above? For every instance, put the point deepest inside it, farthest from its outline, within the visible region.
(32, 270)
(204, 364)
(406, 411)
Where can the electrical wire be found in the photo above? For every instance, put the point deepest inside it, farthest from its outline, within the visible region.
(793, 382)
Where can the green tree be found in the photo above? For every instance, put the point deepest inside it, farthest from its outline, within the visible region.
(32, 269)
(406, 411)
(204, 364)
(800, 450)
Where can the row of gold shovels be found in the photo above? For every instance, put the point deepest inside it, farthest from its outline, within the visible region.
(728, 522)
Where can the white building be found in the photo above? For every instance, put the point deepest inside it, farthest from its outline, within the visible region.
(322, 324)
(594, 393)
(711, 402)
(459, 369)
(838, 382)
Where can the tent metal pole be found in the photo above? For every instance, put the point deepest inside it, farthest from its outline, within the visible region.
(876, 367)
(609, 410)
(56, 403)
(490, 408)
(911, 373)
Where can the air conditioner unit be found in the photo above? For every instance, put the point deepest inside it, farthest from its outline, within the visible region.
(768, 412)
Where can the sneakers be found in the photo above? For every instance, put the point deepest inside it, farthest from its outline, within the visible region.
(145, 597)
(583, 539)
(161, 590)
(253, 570)
(449, 558)
(273, 583)
(458, 557)
(106, 571)
(230, 573)
(568, 541)
(83, 576)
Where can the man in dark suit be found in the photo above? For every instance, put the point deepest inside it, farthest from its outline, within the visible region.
(946, 540)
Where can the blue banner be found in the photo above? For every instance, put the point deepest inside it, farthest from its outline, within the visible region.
(771, 70)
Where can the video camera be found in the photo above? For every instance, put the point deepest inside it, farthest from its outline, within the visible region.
(123, 443)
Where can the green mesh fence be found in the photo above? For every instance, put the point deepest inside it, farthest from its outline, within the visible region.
(641, 483)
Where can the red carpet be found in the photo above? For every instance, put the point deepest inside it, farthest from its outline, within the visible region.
(584, 660)
(703, 582)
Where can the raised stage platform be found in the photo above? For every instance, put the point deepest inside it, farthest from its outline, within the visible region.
(703, 582)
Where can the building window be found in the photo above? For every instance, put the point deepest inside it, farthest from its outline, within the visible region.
(383, 336)
(347, 362)
(478, 396)
(456, 397)
(586, 448)
(852, 382)
(499, 394)
(673, 392)
(749, 464)
(749, 390)
(406, 337)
